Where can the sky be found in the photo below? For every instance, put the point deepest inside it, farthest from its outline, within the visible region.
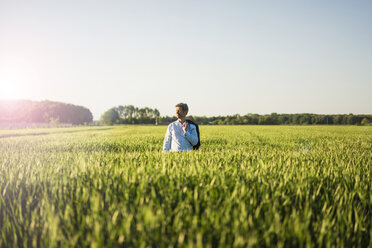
(220, 57)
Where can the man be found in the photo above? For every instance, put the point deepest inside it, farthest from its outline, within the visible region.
(180, 135)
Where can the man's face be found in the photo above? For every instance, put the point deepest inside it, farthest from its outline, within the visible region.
(180, 113)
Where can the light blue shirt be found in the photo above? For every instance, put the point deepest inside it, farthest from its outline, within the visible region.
(176, 140)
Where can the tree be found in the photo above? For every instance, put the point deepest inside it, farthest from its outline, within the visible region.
(350, 119)
(110, 117)
(337, 119)
(133, 115)
(365, 122)
(42, 112)
(54, 122)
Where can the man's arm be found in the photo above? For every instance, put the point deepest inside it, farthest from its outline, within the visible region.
(167, 140)
(191, 134)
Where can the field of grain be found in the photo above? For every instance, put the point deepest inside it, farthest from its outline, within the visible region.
(248, 186)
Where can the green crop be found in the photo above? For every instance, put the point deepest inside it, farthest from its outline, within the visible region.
(248, 186)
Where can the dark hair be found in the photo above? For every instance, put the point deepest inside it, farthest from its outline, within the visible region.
(183, 106)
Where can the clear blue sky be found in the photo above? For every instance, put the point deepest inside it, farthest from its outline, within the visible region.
(220, 57)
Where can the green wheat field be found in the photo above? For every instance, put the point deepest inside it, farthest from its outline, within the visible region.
(247, 186)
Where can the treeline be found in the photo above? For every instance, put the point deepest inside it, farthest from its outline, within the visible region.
(130, 115)
(280, 119)
(133, 115)
(13, 111)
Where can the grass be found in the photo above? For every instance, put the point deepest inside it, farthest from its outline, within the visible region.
(248, 186)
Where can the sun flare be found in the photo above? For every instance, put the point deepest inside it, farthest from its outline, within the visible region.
(10, 91)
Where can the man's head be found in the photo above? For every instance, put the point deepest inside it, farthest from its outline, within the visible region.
(181, 110)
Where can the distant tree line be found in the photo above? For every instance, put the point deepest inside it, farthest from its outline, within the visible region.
(43, 112)
(281, 119)
(133, 115)
(277, 119)
(130, 115)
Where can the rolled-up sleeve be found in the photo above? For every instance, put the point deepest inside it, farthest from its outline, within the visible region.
(191, 135)
(167, 140)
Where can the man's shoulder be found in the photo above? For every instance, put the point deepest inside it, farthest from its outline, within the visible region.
(176, 122)
(172, 123)
(191, 122)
